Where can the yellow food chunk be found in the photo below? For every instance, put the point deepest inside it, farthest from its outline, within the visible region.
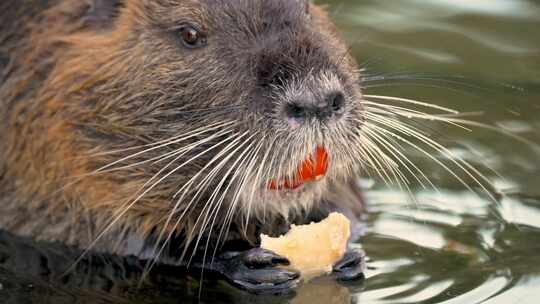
(312, 249)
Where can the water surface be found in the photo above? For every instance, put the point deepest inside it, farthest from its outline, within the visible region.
(453, 246)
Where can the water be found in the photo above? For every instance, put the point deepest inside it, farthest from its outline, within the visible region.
(454, 246)
(450, 246)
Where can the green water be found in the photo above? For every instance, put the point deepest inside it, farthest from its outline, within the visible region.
(455, 246)
(446, 246)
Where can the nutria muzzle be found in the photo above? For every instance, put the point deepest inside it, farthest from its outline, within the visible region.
(309, 107)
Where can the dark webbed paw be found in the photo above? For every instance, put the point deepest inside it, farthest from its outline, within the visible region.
(351, 266)
(256, 271)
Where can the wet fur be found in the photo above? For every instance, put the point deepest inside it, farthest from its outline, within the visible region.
(83, 83)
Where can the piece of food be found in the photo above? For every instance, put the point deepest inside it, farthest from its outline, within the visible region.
(312, 249)
(311, 169)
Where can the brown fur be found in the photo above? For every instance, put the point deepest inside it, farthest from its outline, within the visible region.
(85, 78)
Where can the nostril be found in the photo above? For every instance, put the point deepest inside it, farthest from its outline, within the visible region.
(295, 111)
(300, 111)
(337, 102)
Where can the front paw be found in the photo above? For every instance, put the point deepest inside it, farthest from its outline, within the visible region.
(351, 266)
(257, 271)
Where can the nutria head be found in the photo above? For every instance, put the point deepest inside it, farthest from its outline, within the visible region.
(176, 114)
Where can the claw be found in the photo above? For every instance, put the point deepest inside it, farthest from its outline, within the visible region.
(256, 271)
(351, 266)
(270, 279)
(268, 288)
(259, 258)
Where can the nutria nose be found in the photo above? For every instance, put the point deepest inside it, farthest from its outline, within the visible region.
(331, 106)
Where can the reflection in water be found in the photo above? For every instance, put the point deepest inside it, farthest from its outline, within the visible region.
(35, 272)
(450, 246)
(483, 257)
(517, 212)
(503, 8)
(322, 290)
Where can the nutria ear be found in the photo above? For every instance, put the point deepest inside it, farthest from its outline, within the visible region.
(104, 12)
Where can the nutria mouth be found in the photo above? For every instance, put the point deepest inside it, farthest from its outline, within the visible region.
(311, 169)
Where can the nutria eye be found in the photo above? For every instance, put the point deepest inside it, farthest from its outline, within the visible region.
(191, 37)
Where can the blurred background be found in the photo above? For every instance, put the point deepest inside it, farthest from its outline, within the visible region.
(478, 56)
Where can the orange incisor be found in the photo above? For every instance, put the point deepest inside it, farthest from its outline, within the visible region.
(311, 169)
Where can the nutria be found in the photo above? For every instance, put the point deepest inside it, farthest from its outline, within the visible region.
(177, 131)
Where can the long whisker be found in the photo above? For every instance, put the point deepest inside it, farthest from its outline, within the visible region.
(162, 144)
(184, 190)
(257, 179)
(234, 167)
(388, 163)
(410, 114)
(458, 161)
(401, 158)
(246, 172)
(200, 188)
(182, 153)
(412, 101)
(209, 127)
(175, 141)
(240, 170)
(367, 148)
(124, 209)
